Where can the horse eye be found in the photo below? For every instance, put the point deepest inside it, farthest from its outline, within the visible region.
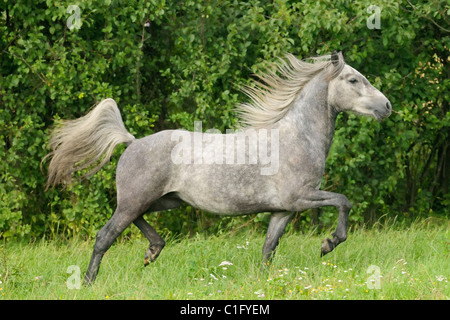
(353, 80)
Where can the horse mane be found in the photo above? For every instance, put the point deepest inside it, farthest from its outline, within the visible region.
(272, 96)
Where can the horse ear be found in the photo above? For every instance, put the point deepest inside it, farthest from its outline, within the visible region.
(335, 57)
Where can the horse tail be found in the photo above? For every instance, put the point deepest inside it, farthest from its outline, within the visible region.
(86, 142)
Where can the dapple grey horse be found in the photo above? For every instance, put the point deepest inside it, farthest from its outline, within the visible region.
(291, 117)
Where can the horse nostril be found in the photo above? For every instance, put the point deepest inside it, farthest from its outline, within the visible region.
(388, 106)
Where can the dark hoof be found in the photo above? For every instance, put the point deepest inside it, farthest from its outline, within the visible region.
(151, 254)
(327, 247)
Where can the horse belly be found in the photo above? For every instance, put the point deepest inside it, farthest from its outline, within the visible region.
(230, 196)
(235, 206)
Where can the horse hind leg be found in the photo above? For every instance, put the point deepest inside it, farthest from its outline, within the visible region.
(120, 220)
(128, 210)
(157, 243)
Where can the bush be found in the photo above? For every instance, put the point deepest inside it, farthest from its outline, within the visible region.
(170, 63)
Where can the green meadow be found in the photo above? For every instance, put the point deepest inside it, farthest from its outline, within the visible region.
(378, 263)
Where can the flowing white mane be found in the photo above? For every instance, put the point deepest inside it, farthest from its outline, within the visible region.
(272, 96)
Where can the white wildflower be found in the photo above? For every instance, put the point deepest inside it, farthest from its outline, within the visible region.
(213, 276)
(438, 278)
(259, 293)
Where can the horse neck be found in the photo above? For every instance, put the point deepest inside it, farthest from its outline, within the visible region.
(311, 118)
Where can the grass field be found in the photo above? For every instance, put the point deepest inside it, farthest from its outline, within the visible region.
(381, 263)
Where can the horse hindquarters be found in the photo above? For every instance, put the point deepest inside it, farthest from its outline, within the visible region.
(140, 185)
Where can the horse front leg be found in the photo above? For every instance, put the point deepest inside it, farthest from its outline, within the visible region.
(340, 235)
(313, 198)
(277, 224)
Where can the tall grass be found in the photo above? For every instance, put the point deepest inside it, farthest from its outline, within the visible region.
(408, 263)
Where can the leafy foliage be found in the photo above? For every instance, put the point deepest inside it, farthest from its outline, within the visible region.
(170, 63)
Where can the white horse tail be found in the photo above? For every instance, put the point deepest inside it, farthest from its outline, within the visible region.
(87, 142)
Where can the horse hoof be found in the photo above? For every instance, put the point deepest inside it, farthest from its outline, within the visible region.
(147, 258)
(152, 253)
(327, 247)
